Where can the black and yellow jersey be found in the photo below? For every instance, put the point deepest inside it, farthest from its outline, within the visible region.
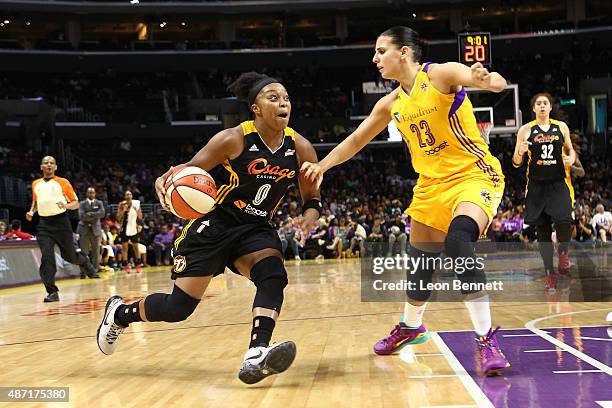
(545, 154)
(251, 186)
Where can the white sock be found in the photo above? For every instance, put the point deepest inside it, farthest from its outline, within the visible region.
(413, 315)
(480, 313)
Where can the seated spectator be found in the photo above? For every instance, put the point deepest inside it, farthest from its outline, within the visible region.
(358, 239)
(2, 230)
(315, 243)
(163, 245)
(107, 259)
(397, 233)
(583, 231)
(337, 234)
(498, 226)
(16, 233)
(602, 222)
(289, 239)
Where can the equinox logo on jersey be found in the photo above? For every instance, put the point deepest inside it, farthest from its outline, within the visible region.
(249, 209)
(262, 169)
(545, 138)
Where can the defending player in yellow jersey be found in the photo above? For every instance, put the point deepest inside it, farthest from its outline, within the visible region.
(453, 162)
(460, 183)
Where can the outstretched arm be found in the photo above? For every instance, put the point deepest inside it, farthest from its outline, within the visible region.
(367, 130)
(447, 77)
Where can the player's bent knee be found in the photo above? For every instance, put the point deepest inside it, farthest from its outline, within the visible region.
(174, 307)
(462, 233)
(270, 278)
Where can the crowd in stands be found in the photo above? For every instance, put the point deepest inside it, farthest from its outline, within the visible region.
(317, 91)
(363, 199)
(363, 202)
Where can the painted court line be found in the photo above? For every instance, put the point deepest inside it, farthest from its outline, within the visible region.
(595, 363)
(577, 371)
(432, 376)
(522, 335)
(604, 404)
(451, 406)
(592, 338)
(468, 382)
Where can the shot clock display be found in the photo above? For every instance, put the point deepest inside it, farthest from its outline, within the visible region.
(475, 47)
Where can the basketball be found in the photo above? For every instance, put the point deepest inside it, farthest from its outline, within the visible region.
(190, 192)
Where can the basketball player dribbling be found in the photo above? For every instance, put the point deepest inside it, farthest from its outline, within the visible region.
(258, 162)
(549, 195)
(459, 178)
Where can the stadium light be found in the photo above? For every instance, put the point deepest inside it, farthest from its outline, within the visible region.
(27, 23)
(6, 21)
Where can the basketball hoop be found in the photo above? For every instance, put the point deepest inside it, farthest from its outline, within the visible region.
(485, 129)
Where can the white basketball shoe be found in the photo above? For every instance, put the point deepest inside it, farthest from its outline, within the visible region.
(109, 331)
(260, 362)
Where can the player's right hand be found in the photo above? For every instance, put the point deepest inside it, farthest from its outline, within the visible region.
(523, 147)
(29, 215)
(160, 190)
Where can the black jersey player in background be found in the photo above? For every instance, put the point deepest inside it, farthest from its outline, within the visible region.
(549, 195)
(258, 161)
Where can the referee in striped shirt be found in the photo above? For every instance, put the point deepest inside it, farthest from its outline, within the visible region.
(51, 197)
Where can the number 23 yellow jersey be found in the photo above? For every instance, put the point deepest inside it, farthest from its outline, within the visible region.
(441, 133)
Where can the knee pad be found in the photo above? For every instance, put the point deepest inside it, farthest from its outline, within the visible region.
(175, 307)
(422, 275)
(462, 233)
(270, 278)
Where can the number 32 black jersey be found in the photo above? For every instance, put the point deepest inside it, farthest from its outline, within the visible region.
(545, 153)
(251, 187)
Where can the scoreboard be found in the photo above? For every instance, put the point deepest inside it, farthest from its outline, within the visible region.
(474, 47)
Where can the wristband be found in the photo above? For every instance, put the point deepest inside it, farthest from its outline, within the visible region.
(313, 203)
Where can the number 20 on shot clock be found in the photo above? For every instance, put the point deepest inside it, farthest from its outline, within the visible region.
(475, 47)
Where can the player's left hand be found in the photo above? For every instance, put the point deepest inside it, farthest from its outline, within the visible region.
(160, 190)
(481, 75)
(313, 172)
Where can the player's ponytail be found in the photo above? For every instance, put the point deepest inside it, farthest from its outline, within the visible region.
(247, 86)
(405, 37)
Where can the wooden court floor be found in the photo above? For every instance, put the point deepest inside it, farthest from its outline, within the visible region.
(195, 363)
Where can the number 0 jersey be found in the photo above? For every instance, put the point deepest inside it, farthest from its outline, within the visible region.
(441, 133)
(251, 186)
